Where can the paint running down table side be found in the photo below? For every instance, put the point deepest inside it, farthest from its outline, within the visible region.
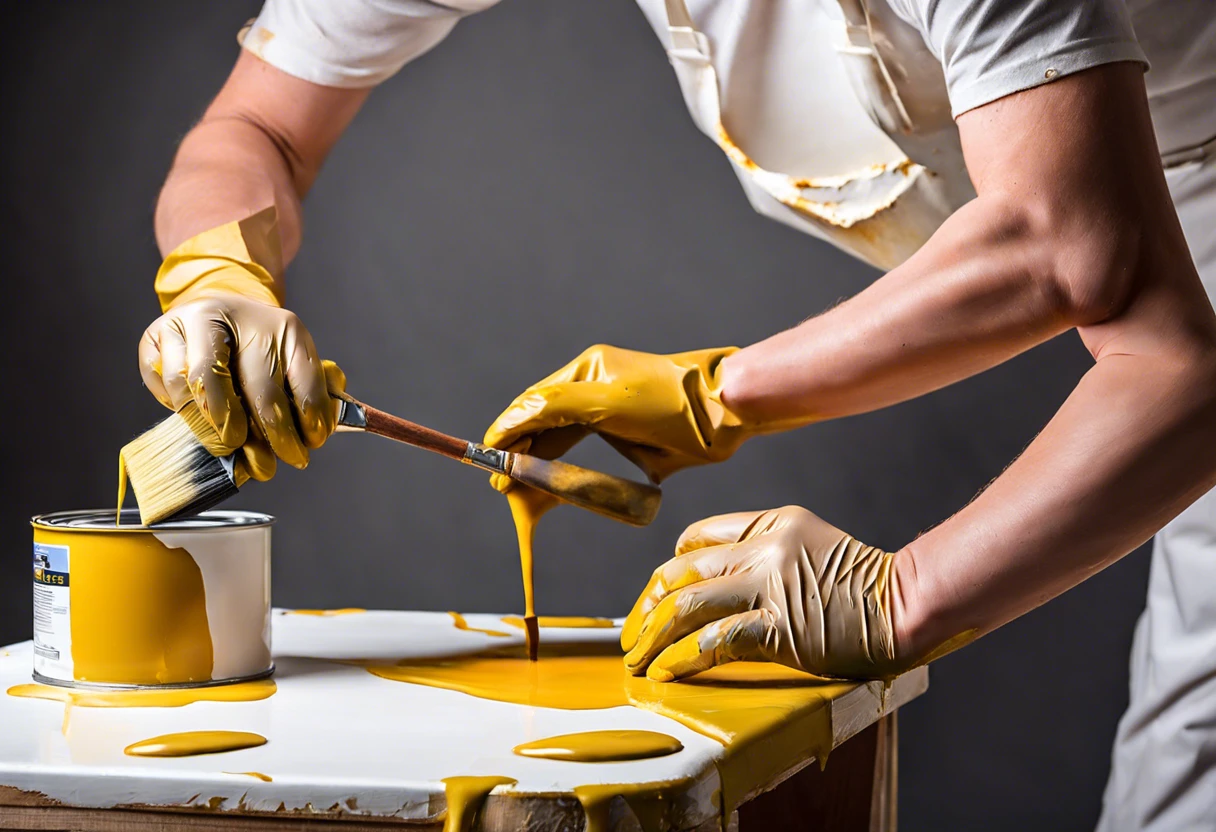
(349, 746)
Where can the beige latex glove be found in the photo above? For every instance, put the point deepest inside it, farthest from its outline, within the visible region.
(226, 343)
(662, 412)
(780, 586)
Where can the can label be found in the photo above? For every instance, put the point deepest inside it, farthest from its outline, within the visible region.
(52, 611)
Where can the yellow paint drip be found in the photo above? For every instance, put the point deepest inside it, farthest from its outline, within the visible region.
(561, 621)
(168, 698)
(327, 613)
(139, 611)
(527, 507)
(122, 489)
(462, 624)
(651, 804)
(769, 717)
(601, 746)
(257, 775)
(191, 743)
(465, 796)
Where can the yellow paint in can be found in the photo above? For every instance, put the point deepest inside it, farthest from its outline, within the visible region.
(116, 605)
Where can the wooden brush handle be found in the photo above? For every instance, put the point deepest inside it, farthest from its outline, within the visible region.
(411, 433)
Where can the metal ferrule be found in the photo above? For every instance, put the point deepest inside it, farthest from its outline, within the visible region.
(351, 416)
(491, 459)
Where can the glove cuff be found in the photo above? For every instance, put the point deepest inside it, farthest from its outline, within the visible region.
(242, 257)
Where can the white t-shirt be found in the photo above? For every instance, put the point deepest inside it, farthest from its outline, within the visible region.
(988, 48)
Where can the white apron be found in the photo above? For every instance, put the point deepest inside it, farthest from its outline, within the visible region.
(888, 174)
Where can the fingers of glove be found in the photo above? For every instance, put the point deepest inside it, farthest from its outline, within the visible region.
(269, 408)
(335, 379)
(209, 377)
(676, 574)
(150, 365)
(748, 636)
(717, 530)
(314, 410)
(685, 611)
(546, 408)
(256, 455)
(171, 337)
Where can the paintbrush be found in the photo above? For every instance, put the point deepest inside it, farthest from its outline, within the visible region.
(176, 470)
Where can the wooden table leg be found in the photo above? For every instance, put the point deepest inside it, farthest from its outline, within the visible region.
(855, 792)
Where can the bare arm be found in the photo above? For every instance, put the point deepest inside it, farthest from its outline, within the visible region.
(1073, 227)
(260, 143)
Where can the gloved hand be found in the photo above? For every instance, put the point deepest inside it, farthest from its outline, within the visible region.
(225, 338)
(662, 412)
(780, 586)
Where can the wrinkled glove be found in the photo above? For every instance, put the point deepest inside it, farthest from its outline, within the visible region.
(226, 343)
(779, 586)
(662, 412)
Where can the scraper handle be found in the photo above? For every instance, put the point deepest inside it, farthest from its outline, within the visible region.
(630, 502)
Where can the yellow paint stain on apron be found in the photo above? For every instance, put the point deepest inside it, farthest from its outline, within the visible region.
(561, 621)
(139, 610)
(460, 623)
(257, 775)
(465, 796)
(601, 746)
(768, 717)
(327, 613)
(191, 743)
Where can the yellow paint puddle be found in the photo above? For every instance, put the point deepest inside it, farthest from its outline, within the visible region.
(601, 746)
(461, 623)
(465, 796)
(768, 717)
(574, 622)
(326, 613)
(257, 775)
(191, 743)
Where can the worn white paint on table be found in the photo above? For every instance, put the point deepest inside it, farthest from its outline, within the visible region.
(340, 740)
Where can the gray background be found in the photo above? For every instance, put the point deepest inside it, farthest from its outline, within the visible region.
(531, 187)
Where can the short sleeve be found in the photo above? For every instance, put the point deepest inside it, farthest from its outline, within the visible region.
(352, 43)
(993, 48)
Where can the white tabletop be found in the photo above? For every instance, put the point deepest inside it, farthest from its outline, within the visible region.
(340, 740)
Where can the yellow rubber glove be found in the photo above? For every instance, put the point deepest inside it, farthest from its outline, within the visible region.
(780, 586)
(226, 343)
(662, 412)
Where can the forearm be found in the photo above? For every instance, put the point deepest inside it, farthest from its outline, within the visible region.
(225, 170)
(261, 142)
(982, 290)
(1132, 447)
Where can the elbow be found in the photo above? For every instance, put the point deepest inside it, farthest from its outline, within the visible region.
(1093, 271)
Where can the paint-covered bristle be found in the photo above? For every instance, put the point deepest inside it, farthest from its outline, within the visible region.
(174, 469)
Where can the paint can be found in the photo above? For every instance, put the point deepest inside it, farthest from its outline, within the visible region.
(181, 604)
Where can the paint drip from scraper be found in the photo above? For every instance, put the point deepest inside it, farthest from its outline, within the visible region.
(192, 743)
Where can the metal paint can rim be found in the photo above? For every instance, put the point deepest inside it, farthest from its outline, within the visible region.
(103, 520)
(104, 686)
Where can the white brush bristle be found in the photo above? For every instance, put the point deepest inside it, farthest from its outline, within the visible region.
(174, 469)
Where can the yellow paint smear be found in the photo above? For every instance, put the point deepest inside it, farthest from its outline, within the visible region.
(465, 796)
(192, 743)
(461, 624)
(561, 621)
(601, 746)
(139, 610)
(265, 778)
(769, 717)
(651, 804)
(327, 613)
(172, 698)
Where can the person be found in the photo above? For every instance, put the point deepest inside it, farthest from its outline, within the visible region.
(1015, 174)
